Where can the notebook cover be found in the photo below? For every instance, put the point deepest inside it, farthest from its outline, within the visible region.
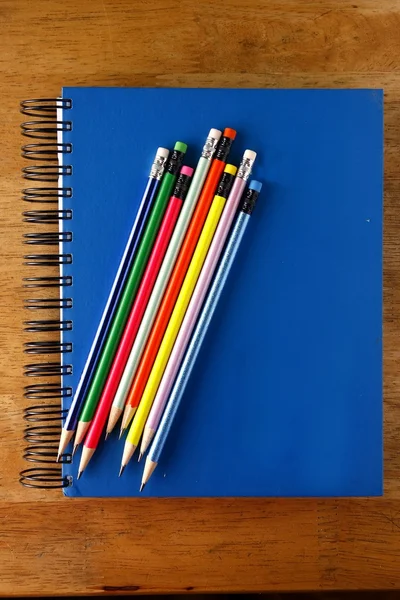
(286, 395)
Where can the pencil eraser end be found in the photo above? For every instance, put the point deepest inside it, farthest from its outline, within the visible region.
(230, 133)
(163, 152)
(250, 154)
(180, 146)
(215, 133)
(255, 185)
(230, 169)
(187, 171)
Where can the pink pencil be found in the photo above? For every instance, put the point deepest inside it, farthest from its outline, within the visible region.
(197, 299)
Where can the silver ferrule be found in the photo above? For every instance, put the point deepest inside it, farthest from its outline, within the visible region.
(245, 168)
(158, 167)
(209, 148)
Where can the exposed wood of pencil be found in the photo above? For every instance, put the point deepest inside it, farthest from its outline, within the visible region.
(129, 451)
(148, 470)
(128, 415)
(81, 430)
(115, 414)
(66, 437)
(147, 438)
(86, 455)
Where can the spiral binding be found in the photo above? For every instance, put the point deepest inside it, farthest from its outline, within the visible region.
(43, 418)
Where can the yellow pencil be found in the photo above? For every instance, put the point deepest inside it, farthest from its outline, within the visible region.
(178, 313)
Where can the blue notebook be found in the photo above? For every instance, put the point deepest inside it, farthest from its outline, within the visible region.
(286, 395)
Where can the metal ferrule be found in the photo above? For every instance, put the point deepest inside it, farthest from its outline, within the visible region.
(249, 201)
(182, 186)
(158, 167)
(245, 168)
(209, 148)
(225, 185)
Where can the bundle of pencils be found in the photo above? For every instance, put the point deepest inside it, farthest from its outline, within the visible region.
(185, 237)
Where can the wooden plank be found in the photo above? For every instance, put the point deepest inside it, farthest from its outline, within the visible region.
(52, 545)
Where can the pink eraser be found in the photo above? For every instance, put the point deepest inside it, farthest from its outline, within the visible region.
(187, 171)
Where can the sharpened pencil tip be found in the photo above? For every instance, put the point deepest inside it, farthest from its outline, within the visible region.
(122, 469)
(121, 433)
(75, 449)
(142, 487)
(106, 436)
(58, 457)
(140, 456)
(79, 474)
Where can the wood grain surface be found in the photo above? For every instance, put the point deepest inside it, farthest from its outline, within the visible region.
(50, 545)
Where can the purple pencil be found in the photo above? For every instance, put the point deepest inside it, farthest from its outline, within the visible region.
(197, 299)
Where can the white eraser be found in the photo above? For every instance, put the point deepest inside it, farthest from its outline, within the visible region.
(215, 133)
(163, 152)
(250, 154)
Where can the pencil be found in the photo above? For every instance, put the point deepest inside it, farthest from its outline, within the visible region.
(197, 299)
(199, 177)
(193, 349)
(178, 274)
(133, 322)
(146, 203)
(178, 313)
(172, 169)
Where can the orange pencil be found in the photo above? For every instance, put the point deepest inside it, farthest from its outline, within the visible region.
(177, 277)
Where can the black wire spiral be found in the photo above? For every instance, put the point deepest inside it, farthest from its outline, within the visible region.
(43, 418)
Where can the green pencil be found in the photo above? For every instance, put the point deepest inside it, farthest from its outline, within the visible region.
(114, 335)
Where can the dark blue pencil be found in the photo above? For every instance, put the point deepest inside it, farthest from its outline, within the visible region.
(149, 195)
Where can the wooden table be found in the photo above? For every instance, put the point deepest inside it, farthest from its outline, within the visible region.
(51, 545)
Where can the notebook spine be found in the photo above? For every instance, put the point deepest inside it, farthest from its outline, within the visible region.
(43, 417)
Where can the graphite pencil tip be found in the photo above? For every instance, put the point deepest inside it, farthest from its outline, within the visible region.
(106, 436)
(142, 487)
(58, 457)
(79, 474)
(75, 449)
(140, 456)
(122, 469)
(121, 433)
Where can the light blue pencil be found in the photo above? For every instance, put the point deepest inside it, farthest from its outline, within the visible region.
(200, 331)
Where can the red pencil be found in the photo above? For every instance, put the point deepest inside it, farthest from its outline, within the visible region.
(177, 277)
(135, 316)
